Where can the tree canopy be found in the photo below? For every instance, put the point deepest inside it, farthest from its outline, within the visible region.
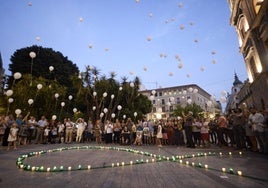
(52, 85)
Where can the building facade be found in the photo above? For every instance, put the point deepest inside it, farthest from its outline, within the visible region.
(165, 100)
(233, 99)
(250, 19)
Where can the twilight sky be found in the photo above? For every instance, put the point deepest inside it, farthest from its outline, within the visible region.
(164, 42)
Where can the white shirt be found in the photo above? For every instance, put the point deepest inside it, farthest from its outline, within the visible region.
(256, 120)
(109, 128)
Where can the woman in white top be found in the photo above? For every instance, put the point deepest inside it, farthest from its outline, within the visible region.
(159, 135)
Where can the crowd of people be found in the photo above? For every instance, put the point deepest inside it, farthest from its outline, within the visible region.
(240, 129)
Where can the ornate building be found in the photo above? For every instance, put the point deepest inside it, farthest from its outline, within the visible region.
(250, 19)
(233, 99)
(165, 100)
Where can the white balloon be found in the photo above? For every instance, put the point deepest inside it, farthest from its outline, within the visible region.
(184, 92)
(56, 95)
(51, 68)
(189, 101)
(120, 88)
(159, 110)
(17, 75)
(190, 89)
(62, 104)
(70, 97)
(81, 19)
(18, 111)
(223, 93)
(32, 54)
(195, 90)
(39, 86)
(75, 110)
(223, 99)
(153, 92)
(101, 114)
(180, 65)
(94, 93)
(149, 38)
(10, 100)
(113, 115)
(94, 108)
(119, 107)
(124, 116)
(112, 96)
(212, 98)
(105, 110)
(9, 92)
(30, 101)
(38, 38)
(54, 117)
(151, 97)
(104, 94)
(209, 103)
(135, 114)
(131, 84)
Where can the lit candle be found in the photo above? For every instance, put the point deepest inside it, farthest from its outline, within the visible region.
(33, 168)
(239, 173)
(240, 153)
(223, 169)
(131, 162)
(88, 167)
(48, 169)
(187, 162)
(206, 166)
(152, 160)
(230, 153)
(147, 160)
(180, 161)
(117, 164)
(220, 153)
(123, 163)
(69, 168)
(112, 164)
(192, 163)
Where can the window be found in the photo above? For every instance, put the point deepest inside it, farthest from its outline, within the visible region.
(163, 102)
(178, 100)
(163, 109)
(154, 109)
(160, 94)
(171, 108)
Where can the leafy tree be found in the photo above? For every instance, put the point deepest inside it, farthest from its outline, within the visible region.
(196, 109)
(45, 57)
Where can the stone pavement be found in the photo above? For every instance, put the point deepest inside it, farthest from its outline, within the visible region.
(90, 165)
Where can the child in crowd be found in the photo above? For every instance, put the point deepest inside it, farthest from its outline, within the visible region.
(138, 140)
(46, 134)
(205, 133)
(12, 137)
(54, 134)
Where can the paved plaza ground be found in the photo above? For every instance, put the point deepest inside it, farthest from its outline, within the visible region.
(90, 165)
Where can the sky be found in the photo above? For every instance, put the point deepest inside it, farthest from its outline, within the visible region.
(165, 43)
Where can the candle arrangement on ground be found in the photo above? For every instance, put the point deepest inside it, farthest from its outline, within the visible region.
(146, 158)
